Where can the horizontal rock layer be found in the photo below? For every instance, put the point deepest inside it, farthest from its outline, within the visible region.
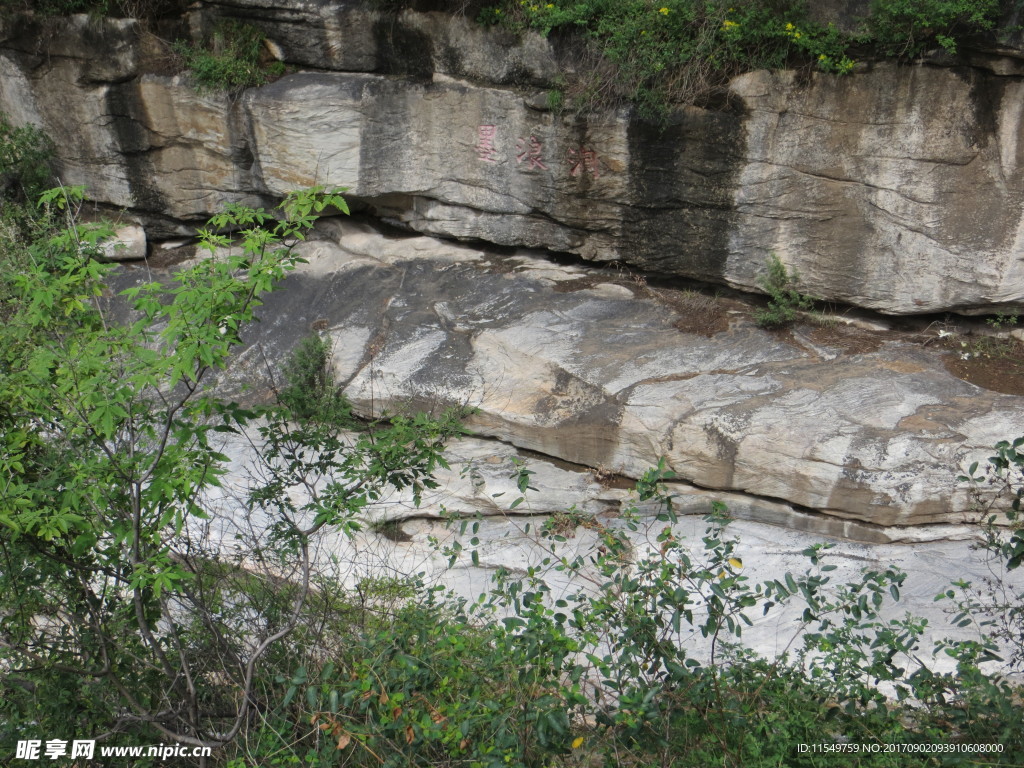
(471, 508)
(612, 374)
(898, 188)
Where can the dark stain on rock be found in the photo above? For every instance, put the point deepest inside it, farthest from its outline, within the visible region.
(682, 181)
(134, 142)
(562, 381)
(469, 8)
(386, 139)
(987, 97)
(725, 447)
(450, 59)
(392, 531)
(402, 50)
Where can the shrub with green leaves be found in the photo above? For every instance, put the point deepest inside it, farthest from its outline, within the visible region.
(638, 595)
(906, 27)
(785, 301)
(675, 51)
(138, 9)
(660, 53)
(994, 608)
(230, 59)
(310, 393)
(130, 604)
(25, 156)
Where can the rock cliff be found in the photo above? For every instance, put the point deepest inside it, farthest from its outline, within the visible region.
(603, 372)
(897, 189)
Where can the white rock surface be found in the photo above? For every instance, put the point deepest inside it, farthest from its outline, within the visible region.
(871, 430)
(473, 501)
(127, 244)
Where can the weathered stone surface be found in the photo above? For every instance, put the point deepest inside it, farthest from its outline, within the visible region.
(605, 373)
(474, 502)
(359, 37)
(894, 207)
(127, 244)
(145, 142)
(898, 188)
(892, 213)
(105, 50)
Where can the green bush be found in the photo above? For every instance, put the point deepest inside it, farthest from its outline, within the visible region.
(123, 609)
(659, 53)
(996, 609)
(25, 156)
(433, 689)
(785, 302)
(610, 676)
(907, 27)
(311, 393)
(230, 60)
(138, 9)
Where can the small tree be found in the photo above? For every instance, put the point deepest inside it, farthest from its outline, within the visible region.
(785, 301)
(120, 610)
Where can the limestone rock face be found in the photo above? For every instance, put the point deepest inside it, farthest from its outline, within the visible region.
(127, 244)
(884, 196)
(898, 188)
(472, 504)
(445, 158)
(606, 373)
(362, 37)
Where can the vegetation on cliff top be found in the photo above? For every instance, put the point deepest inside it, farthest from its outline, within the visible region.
(232, 58)
(653, 53)
(656, 53)
(114, 8)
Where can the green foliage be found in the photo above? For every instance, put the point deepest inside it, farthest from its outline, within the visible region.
(907, 27)
(432, 689)
(122, 608)
(230, 60)
(624, 656)
(310, 393)
(994, 608)
(138, 9)
(785, 302)
(996, 345)
(25, 155)
(660, 53)
(656, 54)
(54, 7)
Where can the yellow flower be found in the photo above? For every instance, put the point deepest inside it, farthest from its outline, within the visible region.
(729, 24)
(550, 5)
(789, 27)
(823, 57)
(796, 35)
(664, 11)
(577, 742)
